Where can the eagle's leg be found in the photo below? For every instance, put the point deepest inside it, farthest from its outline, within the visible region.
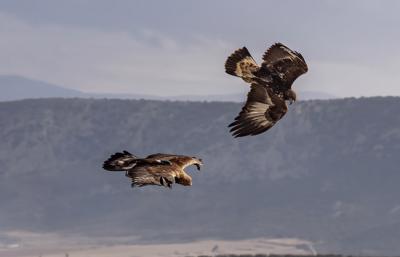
(165, 182)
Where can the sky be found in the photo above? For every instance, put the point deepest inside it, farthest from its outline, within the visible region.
(173, 47)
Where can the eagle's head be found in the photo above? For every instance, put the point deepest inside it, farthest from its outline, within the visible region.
(290, 96)
(186, 180)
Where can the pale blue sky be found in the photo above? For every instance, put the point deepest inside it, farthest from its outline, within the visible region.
(179, 47)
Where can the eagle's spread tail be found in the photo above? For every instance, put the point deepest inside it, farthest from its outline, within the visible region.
(241, 64)
(120, 161)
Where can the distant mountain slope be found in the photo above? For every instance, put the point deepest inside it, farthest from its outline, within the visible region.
(327, 172)
(241, 97)
(18, 88)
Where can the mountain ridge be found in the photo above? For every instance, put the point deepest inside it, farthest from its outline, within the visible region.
(17, 88)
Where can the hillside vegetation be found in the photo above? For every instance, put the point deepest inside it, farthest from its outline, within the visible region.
(328, 172)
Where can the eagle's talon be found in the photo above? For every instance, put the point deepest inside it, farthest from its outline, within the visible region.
(165, 182)
(162, 181)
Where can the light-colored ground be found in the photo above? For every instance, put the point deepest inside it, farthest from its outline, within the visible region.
(50, 245)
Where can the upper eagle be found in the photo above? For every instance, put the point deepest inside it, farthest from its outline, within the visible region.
(156, 169)
(270, 86)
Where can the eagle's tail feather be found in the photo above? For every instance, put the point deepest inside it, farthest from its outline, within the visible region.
(120, 161)
(242, 55)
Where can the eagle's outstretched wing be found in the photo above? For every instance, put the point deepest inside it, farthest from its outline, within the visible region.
(242, 65)
(262, 110)
(287, 64)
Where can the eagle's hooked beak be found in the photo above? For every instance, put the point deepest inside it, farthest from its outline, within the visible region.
(198, 163)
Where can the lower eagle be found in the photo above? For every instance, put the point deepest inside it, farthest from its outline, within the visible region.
(156, 169)
(270, 87)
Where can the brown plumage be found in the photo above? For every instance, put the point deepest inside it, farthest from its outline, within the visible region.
(270, 87)
(156, 169)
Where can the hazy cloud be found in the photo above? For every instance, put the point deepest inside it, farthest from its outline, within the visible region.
(94, 60)
(179, 48)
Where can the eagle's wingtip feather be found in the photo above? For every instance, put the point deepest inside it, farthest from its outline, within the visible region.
(237, 56)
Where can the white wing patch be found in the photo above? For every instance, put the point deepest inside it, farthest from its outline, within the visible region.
(245, 67)
(256, 112)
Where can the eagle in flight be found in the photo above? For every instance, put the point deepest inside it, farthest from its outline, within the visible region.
(271, 87)
(156, 169)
